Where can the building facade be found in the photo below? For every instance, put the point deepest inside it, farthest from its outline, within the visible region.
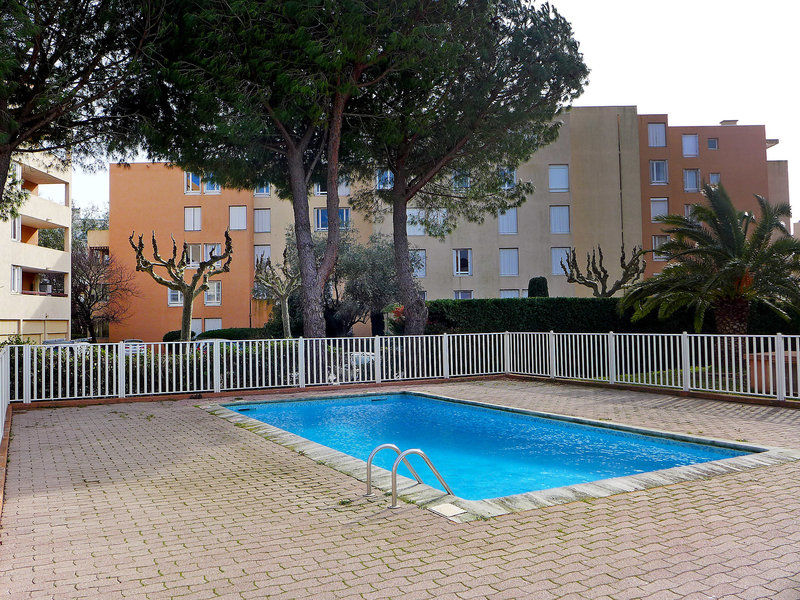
(592, 187)
(677, 161)
(35, 280)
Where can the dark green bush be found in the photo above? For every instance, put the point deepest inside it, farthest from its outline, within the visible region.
(537, 287)
(173, 336)
(578, 315)
(233, 333)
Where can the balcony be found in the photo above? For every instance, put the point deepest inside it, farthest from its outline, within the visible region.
(41, 213)
(39, 259)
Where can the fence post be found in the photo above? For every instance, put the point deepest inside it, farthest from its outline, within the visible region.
(27, 374)
(301, 360)
(376, 350)
(217, 366)
(685, 363)
(445, 357)
(780, 367)
(612, 358)
(121, 369)
(507, 353)
(551, 349)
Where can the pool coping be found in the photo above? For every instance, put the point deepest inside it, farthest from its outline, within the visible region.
(461, 510)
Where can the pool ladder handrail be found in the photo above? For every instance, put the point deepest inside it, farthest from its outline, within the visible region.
(401, 458)
(372, 457)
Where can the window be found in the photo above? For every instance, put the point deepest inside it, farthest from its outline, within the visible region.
(559, 219)
(197, 326)
(509, 262)
(344, 187)
(208, 249)
(658, 172)
(262, 220)
(418, 262)
(321, 218)
(509, 293)
(559, 178)
(690, 144)
(16, 279)
(174, 298)
(509, 178)
(321, 188)
(238, 217)
(713, 178)
(460, 180)
(262, 252)
(191, 218)
(423, 294)
(213, 324)
(384, 179)
(16, 229)
(210, 186)
(191, 183)
(556, 256)
(194, 254)
(261, 191)
(462, 261)
(658, 241)
(687, 210)
(658, 208)
(713, 143)
(462, 294)
(656, 135)
(413, 226)
(691, 180)
(213, 295)
(507, 222)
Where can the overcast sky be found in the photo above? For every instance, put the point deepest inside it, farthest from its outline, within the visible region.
(699, 61)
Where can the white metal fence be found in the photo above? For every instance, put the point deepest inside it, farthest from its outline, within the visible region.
(759, 365)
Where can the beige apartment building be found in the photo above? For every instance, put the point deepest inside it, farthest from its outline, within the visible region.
(596, 185)
(34, 280)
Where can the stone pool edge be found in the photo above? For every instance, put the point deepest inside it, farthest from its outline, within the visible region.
(460, 510)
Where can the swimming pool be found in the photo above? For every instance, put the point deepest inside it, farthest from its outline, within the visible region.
(482, 452)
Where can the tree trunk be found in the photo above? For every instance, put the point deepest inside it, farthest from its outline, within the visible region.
(186, 319)
(731, 316)
(310, 291)
(92, 333)
(287, 327)
(416, 313)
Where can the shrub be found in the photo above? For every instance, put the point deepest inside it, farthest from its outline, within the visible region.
(537, 287)
(578, 315)
(233, 333)
(173, 336)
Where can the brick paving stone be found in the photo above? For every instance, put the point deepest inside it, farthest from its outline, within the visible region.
(163, 500)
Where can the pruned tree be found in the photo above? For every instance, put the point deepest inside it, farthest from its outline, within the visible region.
(62, 67)
(101, 289)
(175, 269)
(277, 283)
(596, 275)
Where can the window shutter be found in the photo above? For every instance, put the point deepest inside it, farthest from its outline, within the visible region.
(559, 219)
(509, 261)
(507, 221)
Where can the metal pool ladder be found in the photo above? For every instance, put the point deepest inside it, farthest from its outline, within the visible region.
(401, 458)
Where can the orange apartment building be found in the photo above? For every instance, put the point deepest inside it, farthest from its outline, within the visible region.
(676, 161)
(614, 172)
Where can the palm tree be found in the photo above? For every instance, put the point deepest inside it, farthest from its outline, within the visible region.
(723, 259)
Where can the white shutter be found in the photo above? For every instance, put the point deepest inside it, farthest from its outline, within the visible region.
(238, 217)
(344, 188)
(213, 324)
(509, 262)
(656, 135)
(690, 144)
(262, 251)
(197, 326)
(262, 220)
(509, 293)
(192, 218)
(559, 219)
(413, 228)
(420, 257)
(658, 207)
(556, 256)
(507, 222)
(559, 178)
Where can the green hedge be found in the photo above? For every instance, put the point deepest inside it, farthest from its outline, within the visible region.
(578, 315)
(233, 333)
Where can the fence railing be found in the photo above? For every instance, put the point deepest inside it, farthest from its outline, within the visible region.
(758, 365)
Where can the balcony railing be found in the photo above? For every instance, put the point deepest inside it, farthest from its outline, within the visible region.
(52, 294)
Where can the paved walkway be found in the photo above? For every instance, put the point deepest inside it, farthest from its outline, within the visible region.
(163, 500)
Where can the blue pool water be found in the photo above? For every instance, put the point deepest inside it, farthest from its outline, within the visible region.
(481, 452)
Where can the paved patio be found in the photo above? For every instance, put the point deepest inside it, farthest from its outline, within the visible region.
(163, 500)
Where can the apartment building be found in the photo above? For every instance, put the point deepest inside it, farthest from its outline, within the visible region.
(34, 280)
(677, 160)
(600, 183)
